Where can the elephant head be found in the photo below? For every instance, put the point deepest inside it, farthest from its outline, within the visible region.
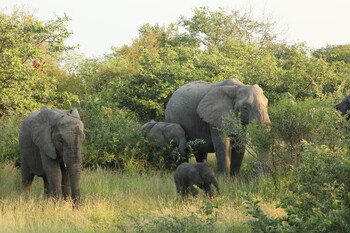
(207, 176)
(163, 132)
(52, 138)
(144, 129)
(344, 106)
(249, 102)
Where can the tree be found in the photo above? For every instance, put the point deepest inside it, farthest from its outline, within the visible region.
(28, 47)
(211, 28)
(334, 53)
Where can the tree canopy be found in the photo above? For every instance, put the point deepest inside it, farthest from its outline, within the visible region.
(28, 70)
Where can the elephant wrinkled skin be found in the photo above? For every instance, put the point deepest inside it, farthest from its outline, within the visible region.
(201, 108)
(163, 132)
(201, 174)
(50, 143)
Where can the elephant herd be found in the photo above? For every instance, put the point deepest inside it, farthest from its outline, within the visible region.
(51, 139)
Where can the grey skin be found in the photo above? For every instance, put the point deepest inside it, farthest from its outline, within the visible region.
(189, 174)
(50, 142)
(162, 133)
(344, 106)
(200, 108)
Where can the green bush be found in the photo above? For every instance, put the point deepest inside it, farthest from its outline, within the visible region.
(108, 132)
(319, 195)
(145, 155)
(9, 148)
(292, 122)
(113, 140)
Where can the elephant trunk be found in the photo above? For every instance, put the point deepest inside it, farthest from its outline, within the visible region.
(74, 175)
(216, 185)
(74, 172)
(182, 149)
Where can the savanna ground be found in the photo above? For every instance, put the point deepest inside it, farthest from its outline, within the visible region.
(115, 201)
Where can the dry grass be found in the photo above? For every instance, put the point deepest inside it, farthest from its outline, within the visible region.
(111, 200)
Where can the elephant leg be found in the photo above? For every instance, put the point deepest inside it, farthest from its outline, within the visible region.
(222, 151)
(27, 178)
(184, 191)
(54, 176)
(182, 149)
(46, 186)
(208, 190)
(237, 155)
(193, 190)
(65, 182)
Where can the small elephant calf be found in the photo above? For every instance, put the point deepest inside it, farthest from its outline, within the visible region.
(201, 174)
(164, 132)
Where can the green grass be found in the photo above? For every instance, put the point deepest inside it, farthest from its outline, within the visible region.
(113, 201)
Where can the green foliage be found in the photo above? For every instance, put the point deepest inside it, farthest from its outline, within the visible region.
(292, 122)
(148, 156)
(108, 132)
(113, 140)
(211, 28)
(26, 45)
(318, 198)
(9, 148)
(334, 53)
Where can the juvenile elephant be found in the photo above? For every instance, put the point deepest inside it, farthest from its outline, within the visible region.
(201, 174)
(344, 106)
(163, 132)
(201, 108)
(50, 144)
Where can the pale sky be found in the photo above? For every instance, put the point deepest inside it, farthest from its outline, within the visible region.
(100, 24)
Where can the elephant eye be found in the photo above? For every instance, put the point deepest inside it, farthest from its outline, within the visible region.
(245, 108)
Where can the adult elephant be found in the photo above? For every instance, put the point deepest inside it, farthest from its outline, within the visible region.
(344, 106)
(50, 143)
(201, 107)
(162, 133)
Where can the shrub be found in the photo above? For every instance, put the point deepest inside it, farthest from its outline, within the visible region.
(151, 156)
(9, 147)
(113, 140)
(292, 122)
(108, 132)
(318, 199)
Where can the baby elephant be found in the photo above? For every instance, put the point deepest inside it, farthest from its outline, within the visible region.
(201, 174)
(163, 132)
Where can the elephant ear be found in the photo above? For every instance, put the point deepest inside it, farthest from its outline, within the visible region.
(42, 130)
(217, 104)
(204, 170)
(74, 113)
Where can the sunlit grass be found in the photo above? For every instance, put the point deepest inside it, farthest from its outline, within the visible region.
(112, 199)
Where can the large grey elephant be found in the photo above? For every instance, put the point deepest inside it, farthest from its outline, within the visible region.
(50, 143)
(201, 109)
(344, 106)
(201, 174)
(163, 132)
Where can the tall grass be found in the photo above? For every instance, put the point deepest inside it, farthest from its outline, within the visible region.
(125, 202)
